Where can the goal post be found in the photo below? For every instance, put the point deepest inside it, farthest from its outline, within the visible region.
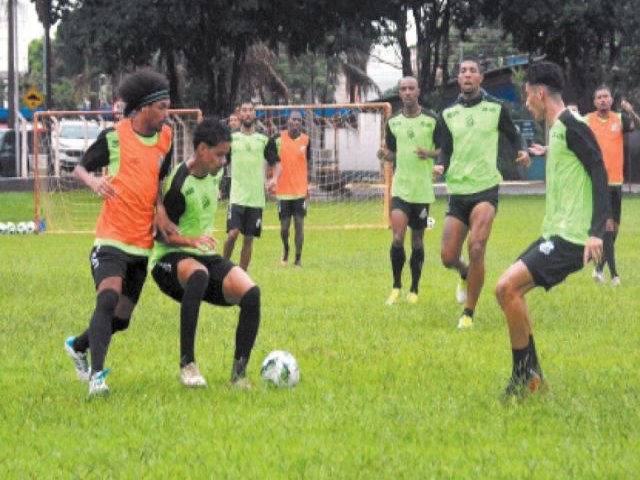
(60, 139)
(349, 184)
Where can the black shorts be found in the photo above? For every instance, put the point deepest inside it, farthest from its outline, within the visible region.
(107, 261)
(165, 273)
(296, 207)
(417, 213)
(551, 261)
(615, 197)
(246, 219)
(461, 206)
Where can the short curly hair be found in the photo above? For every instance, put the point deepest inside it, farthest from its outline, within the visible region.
(212, 131)
(142, 88)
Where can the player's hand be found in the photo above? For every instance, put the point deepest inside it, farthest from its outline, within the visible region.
(593, 250)
(164, 225)
(102, 186)
(424, 153)
(205, 243)
(537, 149)
(437, 171)
(626, 106)
(271, 185)
(523, 158)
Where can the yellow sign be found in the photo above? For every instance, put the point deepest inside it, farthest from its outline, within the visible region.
(33, 98)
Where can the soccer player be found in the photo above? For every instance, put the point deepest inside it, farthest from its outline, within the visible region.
(248, 154)
(577, 208)
(186, 266)
(136, 154)
(412, 140)
(292, 187)
(609, 129)
(471, 129)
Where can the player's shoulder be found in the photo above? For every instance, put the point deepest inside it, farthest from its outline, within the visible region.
(572, 120)
(487, 97)
(427, 112)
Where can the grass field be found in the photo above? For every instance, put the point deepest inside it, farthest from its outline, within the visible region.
(385, 392)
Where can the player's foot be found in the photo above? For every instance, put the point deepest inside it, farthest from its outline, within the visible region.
(190, 376)
(465, 322)
(412, 298)
(393, 298)
(79, 360)
(241, 384)
(284, 262)
(461, 292)
(297, 264)
(520, 387)
(598, 275)
(615, 281)
(239, 374)
(97, 384)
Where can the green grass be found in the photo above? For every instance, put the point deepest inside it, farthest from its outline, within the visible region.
(384, 393)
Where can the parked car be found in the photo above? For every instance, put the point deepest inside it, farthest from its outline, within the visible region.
(71, 139)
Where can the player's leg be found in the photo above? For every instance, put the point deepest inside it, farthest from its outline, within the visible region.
(510, 292)
(300, 211)
(234, 223)
(481, 221)
(454, 233)
(416, 262)
(399, 223)
(284, 214)
(246, 252)
(239, 289)
(612, 234)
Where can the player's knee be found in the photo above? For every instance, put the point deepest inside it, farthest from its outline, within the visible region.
(119, 324)
(107, 301)
(448, 259)
(251, 298)
(503, 290)
(198, 282)
(476, 250)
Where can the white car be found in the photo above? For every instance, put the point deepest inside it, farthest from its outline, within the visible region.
(71, 139)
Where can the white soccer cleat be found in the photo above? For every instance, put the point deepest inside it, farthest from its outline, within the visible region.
(393, 297)
(615, 281)
(461, 292)
(97, 384)
(597, 275)
(79, 360)
(190, 376)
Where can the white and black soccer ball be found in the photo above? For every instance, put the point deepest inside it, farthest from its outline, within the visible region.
(3, 228)
(431, 223)
(11, 228)
(280, 369)
(31, 226)
(21, 228)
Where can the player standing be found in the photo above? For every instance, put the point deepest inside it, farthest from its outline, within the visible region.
(471, 129)
(576, 210)
(185, 265)
(412, 140)
(609, 128)
(248, 154)
(292, 187)
(137, 154)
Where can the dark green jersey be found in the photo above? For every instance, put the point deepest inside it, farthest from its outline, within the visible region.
(191, 203)
(248, 154)
(470, 135)
(577, 202)
(412, 175)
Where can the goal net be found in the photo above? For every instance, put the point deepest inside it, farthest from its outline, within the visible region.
(61, 203)
(347, 183)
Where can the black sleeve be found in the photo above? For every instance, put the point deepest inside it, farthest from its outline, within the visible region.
(309, 153)
(626, 123)
(166, 163)
(581, 141)
(271, 152)
(97, 155)
(390, 139)
(174, 201)
(509, 129)
(446, 144)
(437, 131)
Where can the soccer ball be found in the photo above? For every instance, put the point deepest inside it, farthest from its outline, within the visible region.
(11, 228)
(280, 369)
(431, 223)
(3, 228)
(21, 228)
(31, 226)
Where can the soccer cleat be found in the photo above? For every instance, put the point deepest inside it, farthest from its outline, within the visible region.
(615, 281)
(97, 384)
(190, 376)
(461, 292)
(597, 275)
(297, 264)
(465, 321)
(79, 360)
(412, 298)
(241, 384)
(239, 373)
(393, 298)
(284, 262)
(520, 387)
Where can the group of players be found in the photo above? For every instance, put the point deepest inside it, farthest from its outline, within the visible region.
(460, 143)
(181, 210)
